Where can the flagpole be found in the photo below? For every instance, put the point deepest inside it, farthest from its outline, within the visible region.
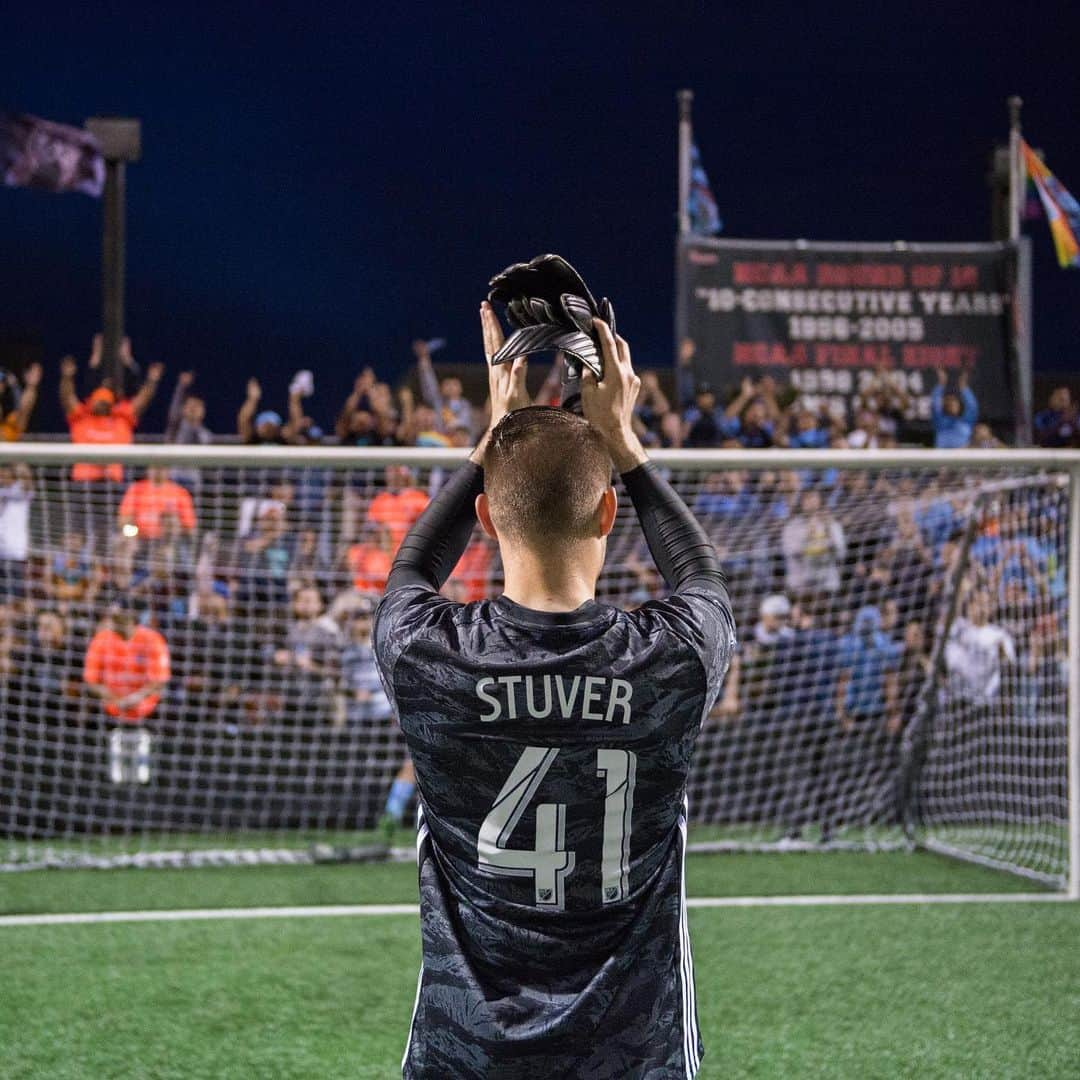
(1016, 173)
(686, 104)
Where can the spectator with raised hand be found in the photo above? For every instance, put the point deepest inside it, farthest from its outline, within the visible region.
(953, 415)
(258, 428)
(1058, 424)
(355, 425)
(704, 423)
(187, 412)
(446, 397)
(651, 408)
(17, 402)
(102, 417)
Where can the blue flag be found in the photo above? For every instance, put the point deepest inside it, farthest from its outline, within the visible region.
(37, 153)
(704, 215)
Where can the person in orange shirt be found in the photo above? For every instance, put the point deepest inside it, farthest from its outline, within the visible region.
(147, 501)
(473, 571)
(17, 403)
(127, 667)
(398, 506)
(101, 418)
(369, 559)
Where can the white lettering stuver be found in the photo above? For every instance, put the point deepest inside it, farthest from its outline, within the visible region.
(539, 697)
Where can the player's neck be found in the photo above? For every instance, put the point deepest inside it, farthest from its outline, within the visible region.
(551, 584)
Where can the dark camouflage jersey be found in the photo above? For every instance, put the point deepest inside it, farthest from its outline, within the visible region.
(551, 755)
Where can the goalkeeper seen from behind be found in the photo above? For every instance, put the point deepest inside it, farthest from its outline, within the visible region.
(552, 736)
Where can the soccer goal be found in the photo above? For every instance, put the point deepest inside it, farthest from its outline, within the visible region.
(186, 674)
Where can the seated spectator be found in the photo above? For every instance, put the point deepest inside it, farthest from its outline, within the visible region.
(813, 545)
(48, 666)
(127, 667)
(187, 413)
(17, 402)
(864, 436)
(398, 505)
(366, 700)
(953, 415)
(982, 438)
(16, 494)
(147, 501)
(1058, 425)
(725, 496)
(773, 625)
(101, 418)
(73, 576)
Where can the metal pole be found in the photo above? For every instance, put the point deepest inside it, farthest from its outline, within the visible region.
(113, 263)
(1016, 174)
(1073, 741)
(686, 104)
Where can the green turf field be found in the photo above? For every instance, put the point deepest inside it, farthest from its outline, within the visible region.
(990, 990)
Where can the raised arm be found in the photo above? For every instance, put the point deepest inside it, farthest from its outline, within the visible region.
(967, 396)
(433, 546)
(682, 551)
(31, 382)
(429, 384)
(245, 427)
(69, 400)
(146, 392)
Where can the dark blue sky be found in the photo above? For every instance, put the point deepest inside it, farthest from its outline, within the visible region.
(321, 183)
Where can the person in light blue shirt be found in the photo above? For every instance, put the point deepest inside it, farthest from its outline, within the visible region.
(954, 415)
(868, 660)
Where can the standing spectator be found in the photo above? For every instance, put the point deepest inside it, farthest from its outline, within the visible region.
(975, 651)
(369, 559)
(101, 418)
(147, 501)
(355, 424)
(310, 658)
(867, 709)
(264, 428)
(17, 403)
(16, 493)
(651, 408)
(953, 415)
(752, 414)
(446, 397)
(263, 560)
(813, 545)
(127, 667)
(704, 423)
(187, 413)
(398, 505)
(808, 433)
(1058, 424)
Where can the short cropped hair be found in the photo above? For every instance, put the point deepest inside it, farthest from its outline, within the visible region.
(545, 470)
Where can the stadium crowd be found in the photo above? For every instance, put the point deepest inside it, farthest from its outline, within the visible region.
(245, 599)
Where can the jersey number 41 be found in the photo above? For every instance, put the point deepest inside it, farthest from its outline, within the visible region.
(548, 862)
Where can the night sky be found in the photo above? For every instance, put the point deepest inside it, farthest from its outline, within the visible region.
(322, 183)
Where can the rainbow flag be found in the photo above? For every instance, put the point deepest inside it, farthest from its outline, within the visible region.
(1061, 209)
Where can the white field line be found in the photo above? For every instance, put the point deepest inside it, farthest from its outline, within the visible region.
(325, 911)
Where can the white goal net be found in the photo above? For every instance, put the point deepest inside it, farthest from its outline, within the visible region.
(186, 673)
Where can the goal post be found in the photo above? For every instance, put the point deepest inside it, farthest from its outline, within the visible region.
(908, 672)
